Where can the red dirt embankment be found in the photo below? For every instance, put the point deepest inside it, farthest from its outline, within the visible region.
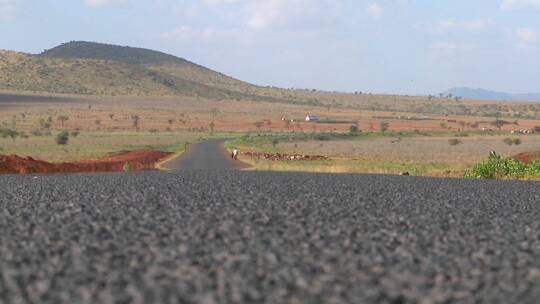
(527, 156)
(137, 161)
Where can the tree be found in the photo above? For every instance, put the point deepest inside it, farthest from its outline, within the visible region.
(111, 116)
(135, 119)
(498, 123)
(287, 123)
(269, 124)
(259, 125)
(9, 133)
(353, 129)
(63, 119)
(214, 111)
(44, 124)
(62, 138)
(212, 126)
(384, 126)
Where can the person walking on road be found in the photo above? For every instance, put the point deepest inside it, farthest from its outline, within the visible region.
(235, 154)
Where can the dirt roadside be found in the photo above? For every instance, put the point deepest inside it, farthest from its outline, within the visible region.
(131, 161)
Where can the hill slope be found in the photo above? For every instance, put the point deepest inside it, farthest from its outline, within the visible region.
(100, 69)
(481, 94)
(25, 72)
(154, 60)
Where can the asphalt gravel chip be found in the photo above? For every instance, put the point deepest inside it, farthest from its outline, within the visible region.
(251, 237)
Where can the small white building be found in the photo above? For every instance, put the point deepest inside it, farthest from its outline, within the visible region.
(312, 118)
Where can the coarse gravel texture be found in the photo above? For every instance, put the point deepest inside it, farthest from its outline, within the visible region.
(253, 237)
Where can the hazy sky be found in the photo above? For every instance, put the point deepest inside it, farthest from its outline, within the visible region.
(392, 46)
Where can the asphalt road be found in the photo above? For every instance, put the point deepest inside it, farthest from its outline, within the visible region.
(228, 236)
(208, 155)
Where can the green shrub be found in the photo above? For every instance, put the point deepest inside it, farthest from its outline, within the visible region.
(454, 142)
(4, 132)
(536, 129)
(499, 167)
(62, 138)
(512, 141)
(353, 129)
(75, 133)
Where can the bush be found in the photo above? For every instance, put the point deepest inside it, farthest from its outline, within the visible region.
(40, 133)
(499, 167)
(62, 138)
(353, 129)
(454, 142)
(384, 126)
(8, 133)
(75, 133)
(514, 141)
(536, 129)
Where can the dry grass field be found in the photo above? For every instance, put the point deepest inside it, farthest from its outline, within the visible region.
(112, 124)
(435, 154)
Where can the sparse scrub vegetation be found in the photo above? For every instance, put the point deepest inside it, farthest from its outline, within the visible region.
(13, 134)
(454, 142)
(512, 141)
(62, 138)
(497, 167)
(384, 126)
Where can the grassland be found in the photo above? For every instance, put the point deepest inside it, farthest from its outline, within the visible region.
(414, 143)
(95, 144)
(431, 154)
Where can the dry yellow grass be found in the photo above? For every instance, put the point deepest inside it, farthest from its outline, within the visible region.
(418, 155)
(106, 126)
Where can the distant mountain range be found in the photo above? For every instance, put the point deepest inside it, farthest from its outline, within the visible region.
(469, 93)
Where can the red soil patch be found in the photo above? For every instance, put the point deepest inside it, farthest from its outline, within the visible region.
(281, 157)
(137, 161)
(527, 156)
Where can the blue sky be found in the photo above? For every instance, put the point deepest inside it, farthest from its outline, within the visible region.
(380, 46)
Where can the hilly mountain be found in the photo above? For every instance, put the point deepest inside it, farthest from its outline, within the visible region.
(482, 94)
(101, 69)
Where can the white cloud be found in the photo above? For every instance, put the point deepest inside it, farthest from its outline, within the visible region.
(449, 49)
(443, 49)
(8, 9)
(102, 3)
(526, 35)
(375, 10)
(189, 33)
(508, 5)
(448, 25)
(264, 14)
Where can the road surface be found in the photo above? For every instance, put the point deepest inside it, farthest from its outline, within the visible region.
(225, 236)
(207, 155)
